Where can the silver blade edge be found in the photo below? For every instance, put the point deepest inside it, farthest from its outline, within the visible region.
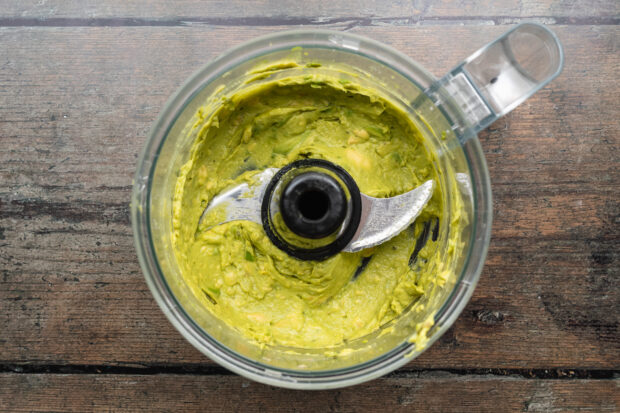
(242, 202)
(384, 218)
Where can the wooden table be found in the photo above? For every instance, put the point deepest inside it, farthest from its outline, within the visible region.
(82, 81)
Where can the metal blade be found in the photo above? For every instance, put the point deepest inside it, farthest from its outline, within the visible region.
(242, 202)
(384, 218)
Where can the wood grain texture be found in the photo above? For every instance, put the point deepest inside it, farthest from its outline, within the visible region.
(425, 392)
(75, 107)
(271, 12)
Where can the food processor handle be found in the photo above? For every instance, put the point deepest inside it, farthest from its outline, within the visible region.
(500, 76)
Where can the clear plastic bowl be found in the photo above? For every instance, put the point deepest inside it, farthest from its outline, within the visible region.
(457, 153)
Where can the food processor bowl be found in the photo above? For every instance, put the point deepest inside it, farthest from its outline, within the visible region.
(449, 128)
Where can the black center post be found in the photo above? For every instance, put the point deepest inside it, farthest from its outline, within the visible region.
(313, 205)
(317, 201)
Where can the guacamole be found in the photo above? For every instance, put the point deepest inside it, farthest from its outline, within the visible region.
(235, 270)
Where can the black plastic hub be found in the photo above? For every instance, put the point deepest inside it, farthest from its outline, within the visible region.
(313, 205)
(322, 203)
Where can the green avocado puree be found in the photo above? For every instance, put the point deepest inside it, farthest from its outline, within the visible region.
(237, 272)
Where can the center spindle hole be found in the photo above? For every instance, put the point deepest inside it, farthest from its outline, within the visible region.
(313, 205)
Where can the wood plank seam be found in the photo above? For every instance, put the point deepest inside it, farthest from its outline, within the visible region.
(259, 21)
(211, 370)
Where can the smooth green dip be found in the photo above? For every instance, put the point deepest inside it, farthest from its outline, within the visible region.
(237, 272)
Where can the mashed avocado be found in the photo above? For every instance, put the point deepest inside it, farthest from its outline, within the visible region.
(237, 272)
